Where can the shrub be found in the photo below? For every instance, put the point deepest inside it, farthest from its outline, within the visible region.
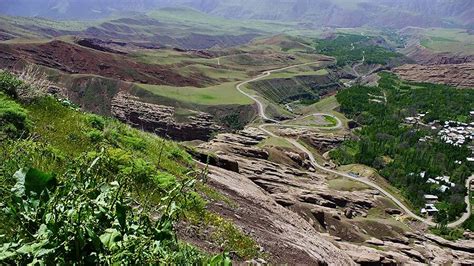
(469, 224)
(95, 135)
(451, 234)
(133, 142)
(13, 118)
(9, 84)
(37, 83)
(96, 122)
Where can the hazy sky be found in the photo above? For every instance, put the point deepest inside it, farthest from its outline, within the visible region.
(350, 12)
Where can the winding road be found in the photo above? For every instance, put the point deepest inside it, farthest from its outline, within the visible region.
(272, 122)
(354, 68)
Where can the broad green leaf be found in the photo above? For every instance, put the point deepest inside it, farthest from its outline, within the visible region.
(19, 188)
(6, 251)
(220, 260)
(93, 237)
(32, 180)
(110, 238)
(6, 254)
(42, 231)
(121, 213)
(37, 181)
(34, 249)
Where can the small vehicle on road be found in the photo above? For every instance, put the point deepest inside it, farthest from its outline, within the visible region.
(355, 175)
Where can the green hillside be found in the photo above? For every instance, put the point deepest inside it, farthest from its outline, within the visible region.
(78, 187)
(351, 48)
(448, 40)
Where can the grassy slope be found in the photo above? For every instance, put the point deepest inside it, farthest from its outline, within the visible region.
(275, 142)
(326, 105)
(217, 25)
(68, 134)
(295, 72)
(448, 40)
(346, 184)
(238, 64)
(222, 94)
(20, 25)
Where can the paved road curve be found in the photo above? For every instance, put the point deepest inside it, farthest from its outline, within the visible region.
(272, 122)
(261, 107)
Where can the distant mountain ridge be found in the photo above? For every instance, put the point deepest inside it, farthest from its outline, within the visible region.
(338, 13)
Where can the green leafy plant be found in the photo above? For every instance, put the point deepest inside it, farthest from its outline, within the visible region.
(82, 189)
(87, 218)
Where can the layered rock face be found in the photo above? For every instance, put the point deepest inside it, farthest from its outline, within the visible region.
(160, 119)
(423, 56)
(455, 69)
(322, 141)
(297, 218)
(459, 75)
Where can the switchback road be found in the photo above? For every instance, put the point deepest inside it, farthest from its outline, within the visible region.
(272, 122)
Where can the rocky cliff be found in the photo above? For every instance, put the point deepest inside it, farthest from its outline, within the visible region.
(161, 120)
(458, 75)
(298, 217)
(424, 56)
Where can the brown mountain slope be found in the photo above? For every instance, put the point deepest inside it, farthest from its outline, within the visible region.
(75, 59)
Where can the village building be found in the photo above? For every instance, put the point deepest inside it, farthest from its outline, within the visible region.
(429, 209)
(431, 199)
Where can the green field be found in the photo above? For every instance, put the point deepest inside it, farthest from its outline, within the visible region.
(165, 57)
(222, 94)
(208, 24)
(319, 121)
(325, 105)
(448, 40)
(330, 120)
(294, 72)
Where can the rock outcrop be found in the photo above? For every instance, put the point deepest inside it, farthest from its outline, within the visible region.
(160, 120)
(322, 141)
(424, 56)
(459, 75)
(298, 219)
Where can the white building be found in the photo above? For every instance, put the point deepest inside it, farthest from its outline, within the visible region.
(429, 209)
(431, 198)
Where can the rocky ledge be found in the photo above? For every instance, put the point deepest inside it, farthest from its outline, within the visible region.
(322, 141)
(459, 75)
(298, 218)
(424, 56)
(160, 119)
